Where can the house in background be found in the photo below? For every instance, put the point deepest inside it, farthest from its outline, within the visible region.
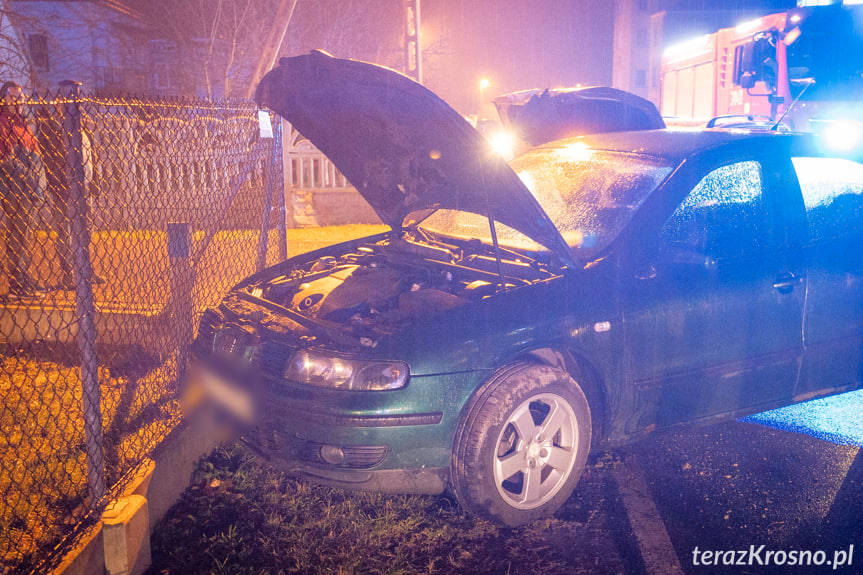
(638, 43)
(102, 43)
(14, 60)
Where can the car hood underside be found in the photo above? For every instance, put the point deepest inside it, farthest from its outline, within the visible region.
(401, 146)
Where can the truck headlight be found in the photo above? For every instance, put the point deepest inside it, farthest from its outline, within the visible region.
(842, 136)
(314, 368)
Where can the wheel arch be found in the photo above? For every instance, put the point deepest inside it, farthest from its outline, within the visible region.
(468, 481)
(587, 377)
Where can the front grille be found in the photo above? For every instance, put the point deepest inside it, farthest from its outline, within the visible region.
(234, 341)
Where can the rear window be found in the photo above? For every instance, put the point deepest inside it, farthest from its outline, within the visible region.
(833, 193)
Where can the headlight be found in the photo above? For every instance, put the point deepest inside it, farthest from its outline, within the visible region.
(340, 373)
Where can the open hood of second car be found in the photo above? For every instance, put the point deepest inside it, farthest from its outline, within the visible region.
(400, 145)
(540, 116)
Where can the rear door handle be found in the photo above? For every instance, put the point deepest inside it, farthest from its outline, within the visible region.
(786, 281)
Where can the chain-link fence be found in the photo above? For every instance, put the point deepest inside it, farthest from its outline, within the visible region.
(123, 219)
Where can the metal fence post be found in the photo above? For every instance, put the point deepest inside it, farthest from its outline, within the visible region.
(264, 236)
(287, 133)
(277, 166)
(269, 176)
(83, 275)
(182, 281)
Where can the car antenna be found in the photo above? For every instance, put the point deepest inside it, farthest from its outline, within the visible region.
(788, 109)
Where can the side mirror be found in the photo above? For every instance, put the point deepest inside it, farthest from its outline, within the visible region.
(758, 62)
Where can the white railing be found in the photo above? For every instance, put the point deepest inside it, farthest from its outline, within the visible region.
(307, 168)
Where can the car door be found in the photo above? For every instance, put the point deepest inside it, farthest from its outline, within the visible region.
(833, 196)
(715, 324)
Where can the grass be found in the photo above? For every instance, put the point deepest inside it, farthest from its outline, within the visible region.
(43, 473)
(43, 483)
(242, 516)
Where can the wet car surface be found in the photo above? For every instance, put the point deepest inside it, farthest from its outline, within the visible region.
(518, 316)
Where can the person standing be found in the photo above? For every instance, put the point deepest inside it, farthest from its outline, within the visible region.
(22, 187)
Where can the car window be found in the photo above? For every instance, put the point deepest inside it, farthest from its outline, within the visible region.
(724, 216)
(833, 193)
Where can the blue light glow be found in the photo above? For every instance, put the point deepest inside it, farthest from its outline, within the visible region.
(837, 419)
(843, 136)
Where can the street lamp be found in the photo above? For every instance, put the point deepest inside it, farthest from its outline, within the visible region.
(483, 84)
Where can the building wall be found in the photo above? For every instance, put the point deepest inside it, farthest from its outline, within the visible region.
(84, 41)
(638, 41)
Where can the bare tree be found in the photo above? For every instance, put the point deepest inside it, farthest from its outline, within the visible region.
(218, 39)
(368, 30)
(14, 58)
(221, 40)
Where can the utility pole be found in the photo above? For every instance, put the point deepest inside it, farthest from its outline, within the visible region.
(413, 45)
(274, 43)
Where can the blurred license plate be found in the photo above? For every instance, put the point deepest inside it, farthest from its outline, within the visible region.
(233, 399)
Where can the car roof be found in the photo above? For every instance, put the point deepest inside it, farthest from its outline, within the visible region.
(675, 144)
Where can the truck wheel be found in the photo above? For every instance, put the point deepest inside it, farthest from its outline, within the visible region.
(521, 445)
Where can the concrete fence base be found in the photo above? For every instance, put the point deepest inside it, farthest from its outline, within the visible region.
(120, 543)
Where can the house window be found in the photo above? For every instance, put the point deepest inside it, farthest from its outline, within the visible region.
(38, 44)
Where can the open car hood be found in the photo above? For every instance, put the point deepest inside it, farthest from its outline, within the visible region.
(400, 145)
(540, 116)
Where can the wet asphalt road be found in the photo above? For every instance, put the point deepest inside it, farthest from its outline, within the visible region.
(721, 487)
(739, 484)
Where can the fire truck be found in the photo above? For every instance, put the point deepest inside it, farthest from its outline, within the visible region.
(806, 63)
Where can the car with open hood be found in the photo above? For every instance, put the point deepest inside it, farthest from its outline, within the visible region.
(518, 315)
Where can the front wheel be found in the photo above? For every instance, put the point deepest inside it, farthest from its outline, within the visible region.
(521, 445)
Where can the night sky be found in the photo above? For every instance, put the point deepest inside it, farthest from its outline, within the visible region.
(520, 44)
(515, 44)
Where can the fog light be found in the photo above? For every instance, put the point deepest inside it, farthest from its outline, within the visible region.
(332, 454)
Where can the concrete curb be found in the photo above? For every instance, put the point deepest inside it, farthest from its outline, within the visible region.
(120, 543)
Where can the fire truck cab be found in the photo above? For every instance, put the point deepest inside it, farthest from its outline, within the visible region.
(813, 56)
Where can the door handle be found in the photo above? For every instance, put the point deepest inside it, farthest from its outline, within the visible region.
(785, 282)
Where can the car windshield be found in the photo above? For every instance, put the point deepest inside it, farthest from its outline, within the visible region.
(590, 195)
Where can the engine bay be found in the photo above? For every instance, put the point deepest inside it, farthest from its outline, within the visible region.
(378, 285)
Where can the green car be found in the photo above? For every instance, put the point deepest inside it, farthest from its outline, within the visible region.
(517, 315)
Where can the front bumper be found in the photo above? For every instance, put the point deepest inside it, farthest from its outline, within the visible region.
(388, 441)
(424, 480)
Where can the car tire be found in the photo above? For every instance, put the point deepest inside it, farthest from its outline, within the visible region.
(521, 445)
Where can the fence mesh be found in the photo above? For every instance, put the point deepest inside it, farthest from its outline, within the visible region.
(123, 219)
